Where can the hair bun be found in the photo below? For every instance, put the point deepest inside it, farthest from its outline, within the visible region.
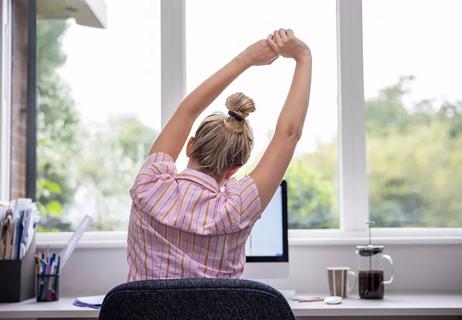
(240, 104)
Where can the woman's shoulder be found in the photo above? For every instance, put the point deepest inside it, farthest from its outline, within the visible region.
(242, 186)
(243, 199)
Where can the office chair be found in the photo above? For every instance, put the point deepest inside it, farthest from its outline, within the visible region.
(192, 299)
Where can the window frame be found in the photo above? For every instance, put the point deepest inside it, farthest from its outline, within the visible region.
(352, 166)
(5, 99)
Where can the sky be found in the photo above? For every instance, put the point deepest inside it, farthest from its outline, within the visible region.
(413, 37)
(116, 70)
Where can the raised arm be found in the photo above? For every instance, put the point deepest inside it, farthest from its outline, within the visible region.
(176, 131)
(274, 162)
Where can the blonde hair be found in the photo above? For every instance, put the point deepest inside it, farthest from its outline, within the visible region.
(222, 141)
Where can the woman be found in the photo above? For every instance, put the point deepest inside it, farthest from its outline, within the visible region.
(195, 223)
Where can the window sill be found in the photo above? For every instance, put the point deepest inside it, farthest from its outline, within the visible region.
(90, 240)
(340, 241)
(386, 236)
(404, 236)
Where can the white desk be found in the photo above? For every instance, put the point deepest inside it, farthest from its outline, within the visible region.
(58, 309)
(392, 305)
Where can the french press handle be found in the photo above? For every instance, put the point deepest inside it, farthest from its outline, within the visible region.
(388, 258)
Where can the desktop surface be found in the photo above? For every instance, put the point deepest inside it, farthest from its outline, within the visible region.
(392, 305)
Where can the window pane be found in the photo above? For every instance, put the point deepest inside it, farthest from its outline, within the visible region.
(219, 30)
(99, 110)
(412, 68)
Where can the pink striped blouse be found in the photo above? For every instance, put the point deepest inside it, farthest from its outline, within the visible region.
(183, 225)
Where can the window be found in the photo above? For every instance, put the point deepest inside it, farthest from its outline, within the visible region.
(100, 106)
(412, 71)
(99, 111)
(217, 30)
(5, 99)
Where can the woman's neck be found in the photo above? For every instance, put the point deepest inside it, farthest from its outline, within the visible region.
(195, 166)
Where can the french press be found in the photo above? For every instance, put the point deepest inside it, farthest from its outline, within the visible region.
(371, 270)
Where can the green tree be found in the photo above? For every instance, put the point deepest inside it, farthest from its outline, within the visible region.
(57, 122)
(311, 190)
(413, 157)
(111, 155)
(82, 165)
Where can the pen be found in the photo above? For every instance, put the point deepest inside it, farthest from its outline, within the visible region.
(40, 278)
(55, 271)
(38, 267)
(45, 280)
(59, 262)
(51, 280)
(308, 299)
(44, 266)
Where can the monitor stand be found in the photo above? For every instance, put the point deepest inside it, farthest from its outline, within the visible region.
(266, 270)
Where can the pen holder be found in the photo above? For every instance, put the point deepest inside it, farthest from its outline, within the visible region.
(47, 287)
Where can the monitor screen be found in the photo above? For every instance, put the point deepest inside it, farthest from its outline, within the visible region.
(267, 241)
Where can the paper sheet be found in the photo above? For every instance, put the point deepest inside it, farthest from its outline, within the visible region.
(90, 301)
(69, 249)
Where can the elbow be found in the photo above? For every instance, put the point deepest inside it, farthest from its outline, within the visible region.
(292, 134)
(296, 134)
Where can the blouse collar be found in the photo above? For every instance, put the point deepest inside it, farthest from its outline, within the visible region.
(200, 178)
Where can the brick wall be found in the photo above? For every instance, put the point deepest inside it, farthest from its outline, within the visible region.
(19, 98)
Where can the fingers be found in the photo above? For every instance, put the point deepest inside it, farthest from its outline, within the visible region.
(282, 35)
(272, 44)
(277, 38)
(280, 41)
(290, 33)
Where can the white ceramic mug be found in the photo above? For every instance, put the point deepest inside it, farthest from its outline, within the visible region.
(338, 281)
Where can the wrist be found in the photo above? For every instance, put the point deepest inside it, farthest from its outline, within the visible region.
(243, 61)
(303, 57)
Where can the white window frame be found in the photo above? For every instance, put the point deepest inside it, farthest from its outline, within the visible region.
(352, 166)
(173, 56)
(5, 101)
(352, 170)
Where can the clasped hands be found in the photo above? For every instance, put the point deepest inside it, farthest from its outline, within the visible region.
(282, 42)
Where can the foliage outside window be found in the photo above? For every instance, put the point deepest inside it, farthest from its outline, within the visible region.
(412, 82)
(95, 122)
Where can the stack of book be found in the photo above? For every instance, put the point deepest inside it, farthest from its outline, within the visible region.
(18, 222)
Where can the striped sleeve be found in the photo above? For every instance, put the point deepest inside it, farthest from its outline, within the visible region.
(230, 210)
(250, 202)
(157, 170)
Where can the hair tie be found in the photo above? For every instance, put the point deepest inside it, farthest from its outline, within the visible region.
(235, 115)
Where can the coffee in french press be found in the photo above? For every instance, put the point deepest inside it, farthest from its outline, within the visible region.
(370, 274)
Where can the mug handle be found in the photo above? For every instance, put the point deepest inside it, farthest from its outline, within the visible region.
(353, 283)
(388, 258)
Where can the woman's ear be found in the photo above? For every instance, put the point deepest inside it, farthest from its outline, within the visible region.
(189, 146)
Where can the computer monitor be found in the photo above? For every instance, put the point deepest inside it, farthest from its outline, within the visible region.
(267, 249)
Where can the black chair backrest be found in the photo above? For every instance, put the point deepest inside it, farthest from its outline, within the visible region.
(195, 299)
